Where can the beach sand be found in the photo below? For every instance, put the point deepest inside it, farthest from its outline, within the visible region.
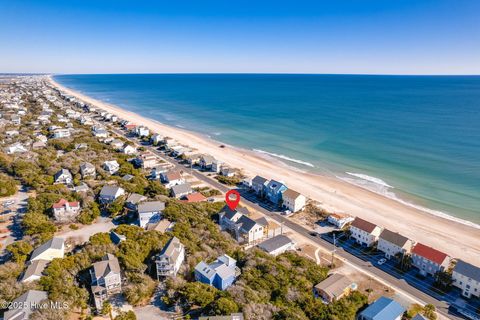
(454, 238)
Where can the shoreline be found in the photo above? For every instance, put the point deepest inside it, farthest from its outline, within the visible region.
(434, 228)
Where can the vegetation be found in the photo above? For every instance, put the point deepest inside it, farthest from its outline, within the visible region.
(428, 311)
(230, 181)
(8, 186)
(19, 250)
(89, 214)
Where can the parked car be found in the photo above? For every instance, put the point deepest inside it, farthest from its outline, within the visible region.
(381, 261)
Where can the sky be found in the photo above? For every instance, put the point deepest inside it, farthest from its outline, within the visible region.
(336, 36)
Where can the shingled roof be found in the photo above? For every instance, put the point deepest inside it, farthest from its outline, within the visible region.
(394, 237)
(363, 225)
(429, 253)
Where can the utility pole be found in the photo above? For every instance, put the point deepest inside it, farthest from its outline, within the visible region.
(334, 249)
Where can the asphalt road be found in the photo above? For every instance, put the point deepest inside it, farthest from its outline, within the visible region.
(366, 267)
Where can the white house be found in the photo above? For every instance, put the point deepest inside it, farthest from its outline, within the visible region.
(61, 133)
(466, 277)
(392, 243)
(128, 149)
(53, 248)
(16, 148)
(172, 178)
(111, 167)
(293, 201)
(429, 260)
(63, 177)
(106, 279)
(277, 245)
(142, 131)
(242, 228)
(65, 211)
(365, 233)
(87, 170)
(169, 260)
(109, 193)
(339, 220)
(150, 212)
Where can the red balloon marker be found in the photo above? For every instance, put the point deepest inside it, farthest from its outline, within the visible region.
(232, 204)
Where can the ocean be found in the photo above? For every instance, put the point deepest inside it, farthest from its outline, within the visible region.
(415, 139)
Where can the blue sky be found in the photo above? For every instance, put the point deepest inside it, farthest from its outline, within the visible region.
(363, 36)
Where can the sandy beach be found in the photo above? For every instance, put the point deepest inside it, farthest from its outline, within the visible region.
(454, 238)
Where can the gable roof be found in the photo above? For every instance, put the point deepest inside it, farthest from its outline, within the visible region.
(151, 206)
(383, 308)
(259, 180)
(289, 193)
(275, 243)
(29, 298)
(467, 270)
(62, 202)
(245, 223)
(429, 253)
(109, 191)
(54, 243)
(35, 268)
(109, 263)
(229, 213)
(334, 285)
(363, 225)
(172, 249)
(181, 188)
(394, 237)
(195, 197)
(135, 198)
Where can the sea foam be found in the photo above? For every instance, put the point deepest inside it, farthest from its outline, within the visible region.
(281, 156)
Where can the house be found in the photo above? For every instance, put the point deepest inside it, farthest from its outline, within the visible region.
(100, 133)
(335, 287)
(81, 188)
(194, 197)
(227, 171)
(38, 145)
(466, 277)
(117, 238)
(34, 270)
(228, 217)
(110, 193)
(150, 212)
(339, 220)
(142, 131)
(393, 243)
(87, 170)
(206, 162)
(53, 248)
(216, 166)
(111, 167)
(61, 133)
(25, 305)
(270, 227)
(382, 309)
(128, 149)
(63, 177)
(274, 191)
(106, 279)
(156, 139)
(65, 211)
(133, 200)
(163, 226)
(277, 245)
(221, 273)
(181, 190)
(233, 316)
(156, 172)
(365, 233)
(169, 260)
(117, 144)
(240, 226)
(16, 148)
(429, 260)
(172, 178)
(293, 201)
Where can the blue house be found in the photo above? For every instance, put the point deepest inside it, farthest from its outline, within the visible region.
(383, 309)
(221, 273)
(274, 191)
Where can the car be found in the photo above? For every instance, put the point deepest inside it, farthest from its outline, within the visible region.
(313, 234)
(381, 261)
(8, 203)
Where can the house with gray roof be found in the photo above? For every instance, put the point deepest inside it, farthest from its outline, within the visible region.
(277, 245)
(53, 248)
(240, 226)
(169, 260)
(466, 277)
(150, 212)
(63, 177)
(180, 190)
(106, 279)
(335, 287)
(87, 170)
(34, 270)
(110, 193)
(24, 305)
(133, 200)
(392, 243)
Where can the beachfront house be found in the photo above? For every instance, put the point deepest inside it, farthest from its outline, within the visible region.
(106, 279)
(53, 248)
(466, 277)
(172, 178)
(181, 190)
(110, 193)
(393, 244)
(150, 212)
(169, 260)
(65, 211)
(87, 170)
(23, 306)
(429, 260)
(142, 131)
(259, 184)
(156, 139)
(335, 287)
(277, 245)
(274, 191)
(365, 233)
(111, 167)
(293, 200)
(221, 274)
(206, 162)
(339, 220)
(63, 177)
(382, 309)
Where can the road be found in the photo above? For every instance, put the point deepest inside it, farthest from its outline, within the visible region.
(362, 266)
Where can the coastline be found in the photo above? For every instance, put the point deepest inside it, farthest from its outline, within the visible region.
(334, 195)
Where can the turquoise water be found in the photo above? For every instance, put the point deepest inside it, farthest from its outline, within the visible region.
(413, 138)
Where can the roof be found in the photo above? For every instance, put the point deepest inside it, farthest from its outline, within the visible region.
(109, 191)
(62, 172)
(262, 221)
(151, 206)
(245, 223)
(195, 197)
(181, 188)
(467, 270)
(29, 298)
(35, 268)
(334, 285)
(394, 237)
(109, 263)
(289, 193)
(54, 243)
(419, 317)
(135, 198)
(163, 225)
(259, 180)
(62, 202)
(275, 243)
(383, 309)
(205, 270)
(229, 213)
(87, 165)
(276, 186)
(363, 225)
(172, 249)
(224, 271)
(429, 253)
(173, 175)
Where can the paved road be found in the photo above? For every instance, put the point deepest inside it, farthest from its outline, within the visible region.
(361, 265)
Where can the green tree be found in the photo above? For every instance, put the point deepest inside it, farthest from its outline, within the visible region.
(197, 293)
(19, 250)
(155, 188)
(8, 186)
(89, 214)
(130, 315)
(107, 309)
(116, 206)
(224, 306)
(38, 224)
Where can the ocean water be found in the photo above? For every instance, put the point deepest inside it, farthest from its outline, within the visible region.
(412, 138)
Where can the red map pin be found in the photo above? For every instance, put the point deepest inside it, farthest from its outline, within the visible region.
(232, 203)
